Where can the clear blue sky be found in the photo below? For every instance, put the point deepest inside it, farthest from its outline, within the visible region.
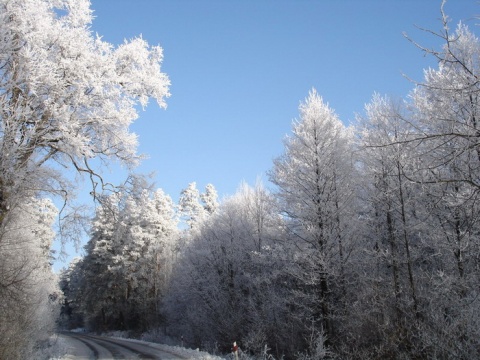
(239, 69)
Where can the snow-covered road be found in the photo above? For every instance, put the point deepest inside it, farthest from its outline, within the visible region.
(85, 346)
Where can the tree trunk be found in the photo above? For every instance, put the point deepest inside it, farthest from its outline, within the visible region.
(407, 243)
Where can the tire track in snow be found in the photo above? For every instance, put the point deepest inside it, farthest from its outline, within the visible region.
(116, 348)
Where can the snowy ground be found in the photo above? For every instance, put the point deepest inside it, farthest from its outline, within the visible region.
(68, 348)
(178, 351)
(74, 346)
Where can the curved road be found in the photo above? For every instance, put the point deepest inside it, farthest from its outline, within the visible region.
(83, 346)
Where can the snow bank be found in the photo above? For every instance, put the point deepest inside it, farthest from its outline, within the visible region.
(175, 350)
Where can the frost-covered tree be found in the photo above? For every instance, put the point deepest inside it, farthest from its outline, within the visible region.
(225, 286)
(209, 199)
(99, 288)
(394, 232)
(447, 109)
(314, 182)
(67, 96)
(195, 207)
(421, 210)
(144, 263)
(129, 260)
(70, 282)
(190, 207)
(29, 297)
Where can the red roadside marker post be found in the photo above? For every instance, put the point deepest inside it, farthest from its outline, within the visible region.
(235, 350)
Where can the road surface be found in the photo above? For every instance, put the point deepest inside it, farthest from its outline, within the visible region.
(78, 346)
